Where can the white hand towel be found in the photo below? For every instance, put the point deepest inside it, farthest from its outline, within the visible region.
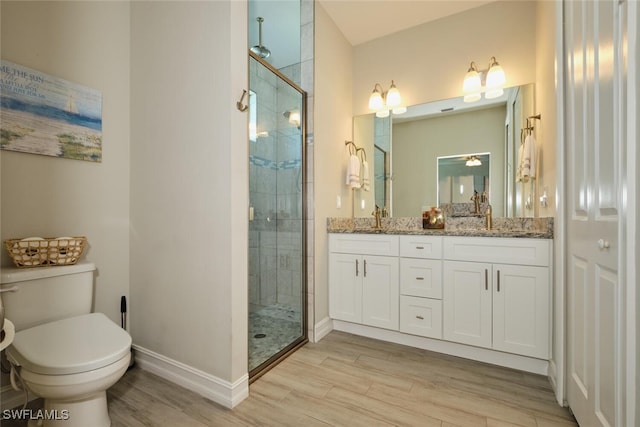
(365, 176)
(527, 156)
(353, 172)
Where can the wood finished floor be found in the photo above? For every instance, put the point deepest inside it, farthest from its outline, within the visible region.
(346, 380)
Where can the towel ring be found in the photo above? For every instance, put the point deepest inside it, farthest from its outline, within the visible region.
(364, 154)
(352, 147)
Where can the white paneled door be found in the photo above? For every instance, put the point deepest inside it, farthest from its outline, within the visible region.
(595, 51)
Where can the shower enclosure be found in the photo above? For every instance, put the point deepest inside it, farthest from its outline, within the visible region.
(277, 291)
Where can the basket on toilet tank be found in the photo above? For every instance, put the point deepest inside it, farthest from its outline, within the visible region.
(45, 251)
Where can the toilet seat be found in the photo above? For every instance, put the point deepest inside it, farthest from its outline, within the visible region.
(70, 346)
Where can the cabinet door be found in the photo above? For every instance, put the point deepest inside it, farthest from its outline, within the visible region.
(521, 310)
(380, 292)
(345, 287)
(467, 303)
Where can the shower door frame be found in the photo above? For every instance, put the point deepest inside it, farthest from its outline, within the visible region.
(267, 365)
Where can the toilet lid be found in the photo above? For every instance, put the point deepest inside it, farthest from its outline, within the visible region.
(69, 346)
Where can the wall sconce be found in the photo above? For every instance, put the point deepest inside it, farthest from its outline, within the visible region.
(473, 161)
(382, 102)
(494, 79)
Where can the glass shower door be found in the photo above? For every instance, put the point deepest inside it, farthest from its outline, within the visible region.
(277, 291)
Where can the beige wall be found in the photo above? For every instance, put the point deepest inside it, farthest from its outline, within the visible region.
(333, 85)
(189, 184)
(417, 144)
(428, 62)
(86, 43)
(166, 210)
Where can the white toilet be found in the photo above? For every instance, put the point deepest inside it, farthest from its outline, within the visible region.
(65, 353)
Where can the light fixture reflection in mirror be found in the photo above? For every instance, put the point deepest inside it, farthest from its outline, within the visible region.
(473, 161)
(466, 173)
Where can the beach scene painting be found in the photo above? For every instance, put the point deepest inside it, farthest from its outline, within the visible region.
(43, 114)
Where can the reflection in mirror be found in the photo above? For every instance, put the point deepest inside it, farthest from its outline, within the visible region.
(381, 173)
(461, 177)
(414, 141)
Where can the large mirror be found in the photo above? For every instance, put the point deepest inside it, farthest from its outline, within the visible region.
(413, 142)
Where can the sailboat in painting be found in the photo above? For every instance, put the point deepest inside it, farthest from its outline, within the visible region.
(71, 106)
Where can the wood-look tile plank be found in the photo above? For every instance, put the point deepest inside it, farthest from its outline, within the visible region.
(381, 409)
(413, 402)
(485, 406)
(346, 380)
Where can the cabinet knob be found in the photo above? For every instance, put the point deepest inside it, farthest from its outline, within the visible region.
(603, 244)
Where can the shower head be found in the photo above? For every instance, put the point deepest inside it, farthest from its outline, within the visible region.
(260, 50)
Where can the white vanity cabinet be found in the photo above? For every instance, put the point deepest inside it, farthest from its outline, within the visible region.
(364, 279)
(421, 285)
(497, 294)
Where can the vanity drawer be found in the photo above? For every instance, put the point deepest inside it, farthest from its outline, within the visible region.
(498, 250)
(421, 277)
(421, 316)
(421, 246)
(364, 244)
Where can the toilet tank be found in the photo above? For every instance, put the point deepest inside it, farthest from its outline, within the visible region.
(45, 294)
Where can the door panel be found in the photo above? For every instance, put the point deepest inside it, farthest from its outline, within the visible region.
(345, 287)
(380, 292)
(593, 129)
(578, 339)
(467, 296)
(605, 357)
(521, 310)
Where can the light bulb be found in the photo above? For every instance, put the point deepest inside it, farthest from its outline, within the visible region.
(393, 96)
(495, 79)
(375, 100)
(472, 85)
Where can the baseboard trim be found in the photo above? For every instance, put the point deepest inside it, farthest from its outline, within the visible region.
(322, 328)
(10, 398)
(514, 361)
(220, 391)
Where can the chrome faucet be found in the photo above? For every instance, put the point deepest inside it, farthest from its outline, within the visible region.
(376, 214)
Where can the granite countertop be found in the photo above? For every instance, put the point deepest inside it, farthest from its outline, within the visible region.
(536, 228)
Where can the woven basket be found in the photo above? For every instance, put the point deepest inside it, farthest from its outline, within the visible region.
(44, 252)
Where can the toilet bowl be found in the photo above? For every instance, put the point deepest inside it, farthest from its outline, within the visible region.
(70, 363)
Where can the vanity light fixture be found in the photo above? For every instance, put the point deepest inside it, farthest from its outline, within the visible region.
(473, 161)
(385, 102)
(494, 79)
